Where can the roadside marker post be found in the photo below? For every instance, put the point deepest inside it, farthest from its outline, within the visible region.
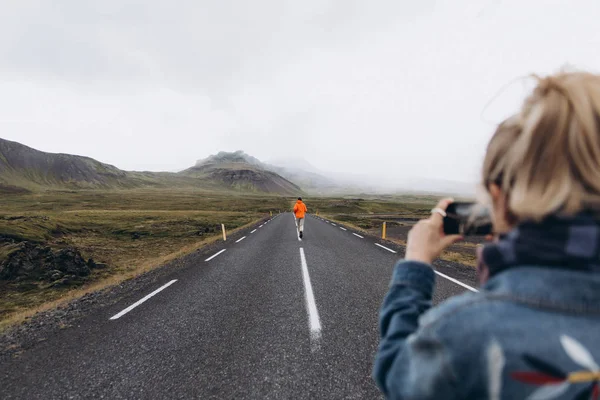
(224, 234)
(383, 231)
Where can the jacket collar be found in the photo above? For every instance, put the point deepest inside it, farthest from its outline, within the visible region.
(556, 289)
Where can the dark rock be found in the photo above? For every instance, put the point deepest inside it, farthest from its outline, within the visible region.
(61, 283)
(14, 218)
(70, 261)
(26, 260)
(100, 266)
(56, 275)
(29, 261)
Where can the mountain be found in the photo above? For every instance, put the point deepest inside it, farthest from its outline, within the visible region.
(238, 157)
(25, 169)
(240, 171)
(304, 175)
(296, 164)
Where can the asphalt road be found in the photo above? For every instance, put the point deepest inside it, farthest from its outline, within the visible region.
(271, 317)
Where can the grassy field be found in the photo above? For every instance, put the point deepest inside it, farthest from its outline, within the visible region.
(367, 212)
(399, 213)
(133, 231)
(128, 231)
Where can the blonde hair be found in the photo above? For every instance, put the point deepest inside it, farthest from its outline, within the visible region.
(546, 159)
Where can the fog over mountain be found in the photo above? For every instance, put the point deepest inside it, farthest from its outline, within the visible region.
(25, 168)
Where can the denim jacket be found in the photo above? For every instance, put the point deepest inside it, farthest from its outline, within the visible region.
(531, 332)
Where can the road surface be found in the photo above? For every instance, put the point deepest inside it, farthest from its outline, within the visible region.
(265, 316)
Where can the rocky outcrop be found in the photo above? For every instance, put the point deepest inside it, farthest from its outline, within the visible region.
(27, 261)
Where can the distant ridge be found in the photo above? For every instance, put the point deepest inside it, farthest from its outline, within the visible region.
(23, 169)
(239, 170)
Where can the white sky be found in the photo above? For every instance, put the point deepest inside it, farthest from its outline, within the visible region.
(390, 90)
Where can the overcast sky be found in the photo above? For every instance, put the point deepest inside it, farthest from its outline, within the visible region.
(389, 90)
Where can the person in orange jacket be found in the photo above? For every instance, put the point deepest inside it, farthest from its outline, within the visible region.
(299, 212)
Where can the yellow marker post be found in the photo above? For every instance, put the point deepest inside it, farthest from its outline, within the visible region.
(271, 213)
(383, 231)
(224, 234)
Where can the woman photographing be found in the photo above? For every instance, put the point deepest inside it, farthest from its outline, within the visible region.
(533, 329)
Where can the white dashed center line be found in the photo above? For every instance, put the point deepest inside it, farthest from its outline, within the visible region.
(356, 234)
(457, 282)
(383, 247)
(140, 301)
(311, 306)
(239, 240)
(214, 255)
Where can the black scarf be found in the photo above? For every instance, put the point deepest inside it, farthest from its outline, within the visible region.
(560, 242)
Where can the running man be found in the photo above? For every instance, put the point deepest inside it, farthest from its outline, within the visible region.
(299, 212)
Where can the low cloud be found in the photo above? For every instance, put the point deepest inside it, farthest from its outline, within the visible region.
(387, 91)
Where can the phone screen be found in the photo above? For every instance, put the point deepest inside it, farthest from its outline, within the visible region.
(467, 219)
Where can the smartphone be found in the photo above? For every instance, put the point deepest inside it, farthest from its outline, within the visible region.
(467, 219)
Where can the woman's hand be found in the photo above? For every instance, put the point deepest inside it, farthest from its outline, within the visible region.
(426, 240)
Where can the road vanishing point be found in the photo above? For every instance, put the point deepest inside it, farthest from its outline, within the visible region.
(263, 315)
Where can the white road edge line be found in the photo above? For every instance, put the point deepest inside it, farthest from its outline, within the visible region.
(356, 234)
(344, 229)
(333, 224)
(383, 247)
(457, 282)
(140, 301)
(311, 305)
(239, 240)
(214, 255)
(253, 231)
(260, 226)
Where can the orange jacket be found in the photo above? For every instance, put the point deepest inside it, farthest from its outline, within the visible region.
(300, 209)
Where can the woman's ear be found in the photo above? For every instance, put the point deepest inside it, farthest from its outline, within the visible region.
(503, 219)
(495, 192)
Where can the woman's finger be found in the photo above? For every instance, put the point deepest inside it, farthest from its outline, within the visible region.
(444, 203)
(450, 240)
(436, 216)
